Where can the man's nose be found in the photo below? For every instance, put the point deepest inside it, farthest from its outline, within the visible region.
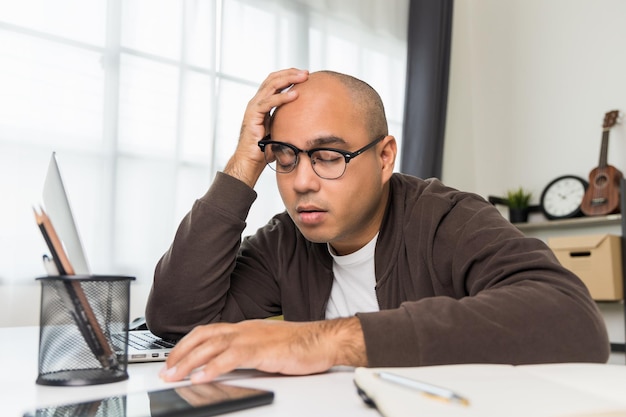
(305, 177)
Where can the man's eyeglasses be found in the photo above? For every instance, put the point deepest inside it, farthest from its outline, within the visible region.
(328, 163)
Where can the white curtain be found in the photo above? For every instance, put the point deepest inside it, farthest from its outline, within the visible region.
(142, 101)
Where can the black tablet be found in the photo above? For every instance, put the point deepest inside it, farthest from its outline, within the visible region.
(196, 400)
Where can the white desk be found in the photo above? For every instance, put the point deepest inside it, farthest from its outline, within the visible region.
(329, 394)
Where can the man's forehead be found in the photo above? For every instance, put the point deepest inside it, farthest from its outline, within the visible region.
(318, 116)
(315, 95)
(319, 82)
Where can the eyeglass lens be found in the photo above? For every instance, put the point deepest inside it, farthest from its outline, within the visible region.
(326, 163)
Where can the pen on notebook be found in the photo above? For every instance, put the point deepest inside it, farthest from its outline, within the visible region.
(424, 388)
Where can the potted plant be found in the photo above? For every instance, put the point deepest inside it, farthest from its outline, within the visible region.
(518, 201)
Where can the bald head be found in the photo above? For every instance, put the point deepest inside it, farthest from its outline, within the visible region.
(366, 105)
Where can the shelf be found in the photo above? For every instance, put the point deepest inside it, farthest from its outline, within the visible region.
(609, 220)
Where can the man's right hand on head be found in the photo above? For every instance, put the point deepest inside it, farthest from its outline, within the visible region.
(248, 162)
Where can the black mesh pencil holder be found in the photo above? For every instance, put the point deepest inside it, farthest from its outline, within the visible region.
(83, 329)
(107, 407)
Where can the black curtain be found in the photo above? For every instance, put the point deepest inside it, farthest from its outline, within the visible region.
(428, 67)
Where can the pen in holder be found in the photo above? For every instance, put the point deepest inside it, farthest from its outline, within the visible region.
(83, 329)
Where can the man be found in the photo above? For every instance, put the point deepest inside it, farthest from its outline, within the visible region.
(368, 267)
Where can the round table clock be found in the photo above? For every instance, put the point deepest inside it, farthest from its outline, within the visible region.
(562, 197)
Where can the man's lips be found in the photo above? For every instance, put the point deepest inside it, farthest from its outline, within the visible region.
(310, 215)
(305, 209)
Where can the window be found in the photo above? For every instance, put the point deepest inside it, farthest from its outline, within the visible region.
(142, 101)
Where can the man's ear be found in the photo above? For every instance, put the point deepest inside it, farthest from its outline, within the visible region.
(388, 154)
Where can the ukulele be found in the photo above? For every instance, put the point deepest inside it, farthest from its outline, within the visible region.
(602, 195)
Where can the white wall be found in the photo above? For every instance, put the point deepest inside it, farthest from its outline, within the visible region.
(531, 81)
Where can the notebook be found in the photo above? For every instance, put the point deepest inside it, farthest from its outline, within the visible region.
(143, 346)
(545, 390)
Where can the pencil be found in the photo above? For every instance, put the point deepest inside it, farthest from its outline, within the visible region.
(80, 309)
(54, 243)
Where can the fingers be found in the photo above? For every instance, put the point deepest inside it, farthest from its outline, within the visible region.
(201, 346)
(275, 91)
(269, 95)
(270, 346)
(248, 161)
(221, 364)
(212, 350)
(279, 82)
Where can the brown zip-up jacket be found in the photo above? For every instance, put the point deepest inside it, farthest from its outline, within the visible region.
(455, 281)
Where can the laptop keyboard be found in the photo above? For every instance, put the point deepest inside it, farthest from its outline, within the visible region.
(145, 341)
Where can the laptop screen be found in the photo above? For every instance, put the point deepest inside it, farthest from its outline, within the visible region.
(57, 207)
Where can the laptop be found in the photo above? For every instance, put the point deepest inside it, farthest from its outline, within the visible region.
(143, 346)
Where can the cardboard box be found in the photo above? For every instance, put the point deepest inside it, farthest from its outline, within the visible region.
(596, 259)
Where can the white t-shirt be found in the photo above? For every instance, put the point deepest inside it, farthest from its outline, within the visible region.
(354, 286)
